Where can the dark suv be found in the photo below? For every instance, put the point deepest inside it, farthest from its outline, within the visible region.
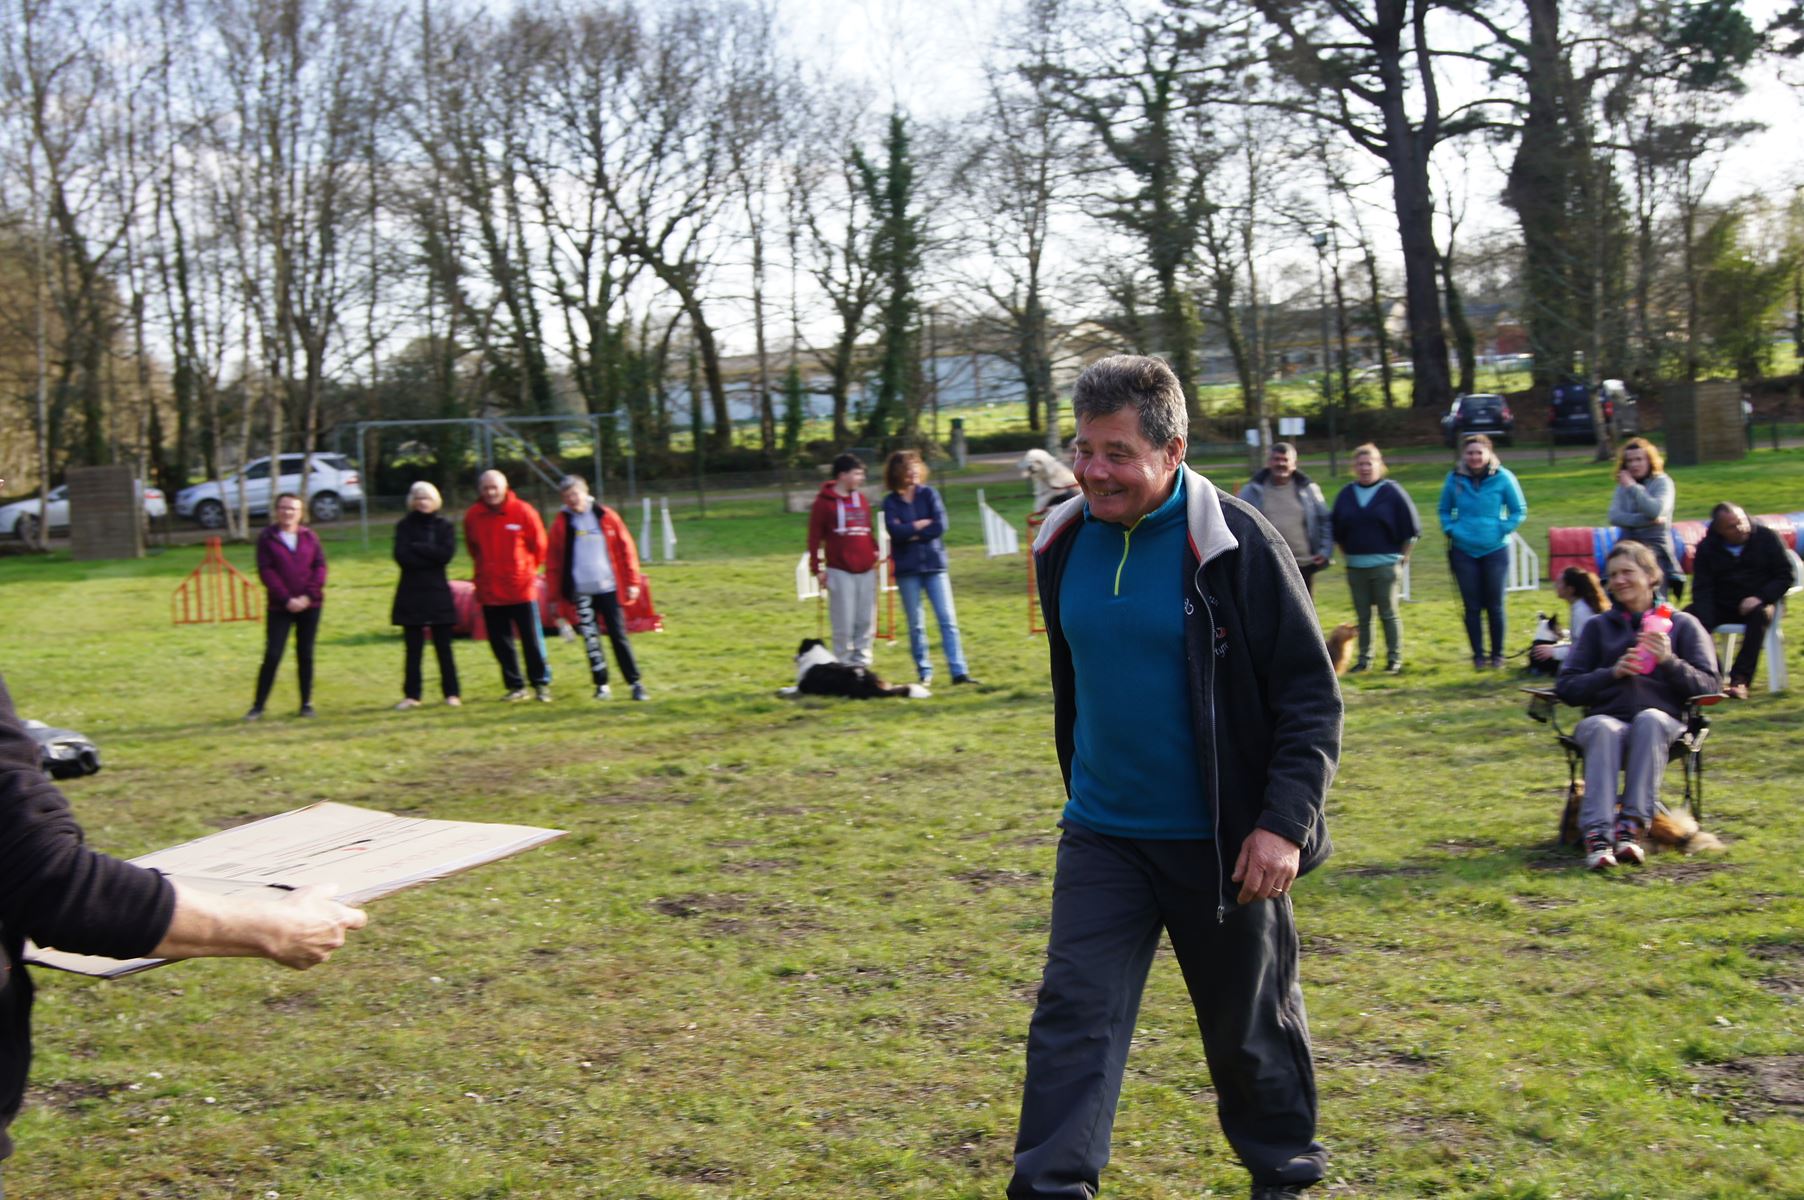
(1569, 413)
(1480, 412)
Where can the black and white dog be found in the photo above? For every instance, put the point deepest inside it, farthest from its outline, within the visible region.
(1547, 633)
(818, 673)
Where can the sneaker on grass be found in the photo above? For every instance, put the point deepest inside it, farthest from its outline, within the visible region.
(639, 692)
(515, 696)
(1628, 844)
(603, 691)
(542, 693)
(1598, 854)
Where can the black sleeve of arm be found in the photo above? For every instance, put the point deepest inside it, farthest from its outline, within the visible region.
(1302, 693)
(55, 890)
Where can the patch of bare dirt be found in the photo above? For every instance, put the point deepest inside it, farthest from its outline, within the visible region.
(697, 903)
(70, 1094)
(757, 866)
(292, 1002)
(1678, 870)
(985, 878)
(1788, 980)
(1757, 1087)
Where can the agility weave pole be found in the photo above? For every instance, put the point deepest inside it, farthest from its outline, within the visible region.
(214, 592)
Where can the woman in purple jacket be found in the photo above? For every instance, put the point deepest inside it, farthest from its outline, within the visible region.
(293, 567)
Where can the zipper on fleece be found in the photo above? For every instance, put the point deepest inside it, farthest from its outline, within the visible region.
(1221, 877)
(1126, 536)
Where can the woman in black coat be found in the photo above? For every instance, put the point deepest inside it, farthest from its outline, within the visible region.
(424, 543)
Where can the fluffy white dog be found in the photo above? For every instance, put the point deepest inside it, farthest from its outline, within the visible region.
(1053, 480)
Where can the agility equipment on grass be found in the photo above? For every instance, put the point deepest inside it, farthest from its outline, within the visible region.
(999, 536)
(215, 592)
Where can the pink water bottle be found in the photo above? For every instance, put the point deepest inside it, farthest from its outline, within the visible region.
(1657, 621)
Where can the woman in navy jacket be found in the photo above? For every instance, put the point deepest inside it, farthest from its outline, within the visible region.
(1375, 523)
(916, 520)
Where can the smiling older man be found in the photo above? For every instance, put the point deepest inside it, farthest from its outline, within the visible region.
(1198, 726)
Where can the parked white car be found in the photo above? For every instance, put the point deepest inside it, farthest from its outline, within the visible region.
(20, 518)
(336, 486)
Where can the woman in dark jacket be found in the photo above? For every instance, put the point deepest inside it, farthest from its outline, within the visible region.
(293, 568)
(1633, 680)
(1376, 525)
(916, 520)
(424, 543)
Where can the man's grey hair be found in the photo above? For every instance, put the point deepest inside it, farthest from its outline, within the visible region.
(1284, 448)
(1147, 385)
(570, 481)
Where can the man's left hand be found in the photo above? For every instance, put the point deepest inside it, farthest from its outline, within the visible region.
(1267, 865)
(1320, 560)
(1749, 604)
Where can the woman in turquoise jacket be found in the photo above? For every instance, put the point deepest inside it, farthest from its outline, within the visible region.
(1481, 505)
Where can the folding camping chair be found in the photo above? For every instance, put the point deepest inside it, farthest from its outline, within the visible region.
(1687, 749)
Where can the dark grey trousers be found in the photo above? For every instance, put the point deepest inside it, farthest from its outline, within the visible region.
(1111, 899)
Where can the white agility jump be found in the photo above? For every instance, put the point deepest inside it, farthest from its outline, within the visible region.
(999, 537)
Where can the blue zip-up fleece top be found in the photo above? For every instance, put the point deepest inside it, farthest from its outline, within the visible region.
(1265, 708)
(916, 551)
(1478, 513)
(1134, 763)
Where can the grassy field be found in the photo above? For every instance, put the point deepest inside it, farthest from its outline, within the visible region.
(790, 949)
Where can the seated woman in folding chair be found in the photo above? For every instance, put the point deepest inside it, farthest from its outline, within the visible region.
(1633, 683)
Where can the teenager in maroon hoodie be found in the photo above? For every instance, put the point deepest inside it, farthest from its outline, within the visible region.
(293, 567)
(841, 524)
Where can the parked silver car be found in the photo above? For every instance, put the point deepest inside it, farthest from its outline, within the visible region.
(334, 486)
(20, 518)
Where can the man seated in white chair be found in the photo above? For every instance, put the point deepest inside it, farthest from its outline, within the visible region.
(1739, 572)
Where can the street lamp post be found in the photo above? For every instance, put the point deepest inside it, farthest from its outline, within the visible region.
(1321, 282)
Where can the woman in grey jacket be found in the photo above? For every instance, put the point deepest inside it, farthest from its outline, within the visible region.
(1642, 507)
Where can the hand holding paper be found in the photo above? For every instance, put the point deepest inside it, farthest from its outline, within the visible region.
(300, 929)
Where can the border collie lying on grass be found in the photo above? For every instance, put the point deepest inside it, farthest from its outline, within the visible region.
(818, 673)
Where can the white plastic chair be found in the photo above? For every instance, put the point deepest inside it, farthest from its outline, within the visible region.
(1777, 670)
(1525, 566)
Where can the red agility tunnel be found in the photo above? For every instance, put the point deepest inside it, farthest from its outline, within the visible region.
(1587, 546)
(641, 615)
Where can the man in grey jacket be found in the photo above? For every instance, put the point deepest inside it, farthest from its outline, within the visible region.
(1294, 505)
(1197, 722)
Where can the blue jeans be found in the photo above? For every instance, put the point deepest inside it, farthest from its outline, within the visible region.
(939, 590)
(1481, 581)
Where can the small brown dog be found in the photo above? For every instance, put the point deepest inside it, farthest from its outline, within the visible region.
(1341, 641)
(1671, 827)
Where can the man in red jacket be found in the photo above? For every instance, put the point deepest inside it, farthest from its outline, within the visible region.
(841, 523)
(506, 539)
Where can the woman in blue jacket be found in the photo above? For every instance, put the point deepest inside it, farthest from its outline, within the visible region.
(916, 520)
(1481, 505)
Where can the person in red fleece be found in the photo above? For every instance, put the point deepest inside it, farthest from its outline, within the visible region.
(507, 544)
(591, 575)
(841, 523)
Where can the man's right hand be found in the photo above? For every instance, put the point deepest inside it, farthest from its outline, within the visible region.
(1749, 604)
(309, 925)
(299, 930)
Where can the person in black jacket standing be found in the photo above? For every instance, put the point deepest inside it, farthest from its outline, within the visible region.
(424, 543)
(1197, 721)
(57, 892)
(1737, 574)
